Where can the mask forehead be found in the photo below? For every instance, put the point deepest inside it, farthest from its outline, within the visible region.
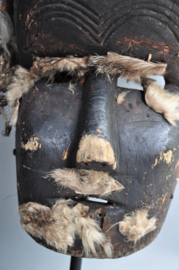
(120, 26)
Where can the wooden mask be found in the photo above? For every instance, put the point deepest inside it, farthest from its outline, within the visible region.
(97, 139)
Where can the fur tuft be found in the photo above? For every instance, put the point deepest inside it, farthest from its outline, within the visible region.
(86, 182)
(14, 115)
(6, 32)
(59, 225)
(121, 97)
(91, 237)
(72, 65)
(136, 225)
(162, 101)
(125, 66)
(24, 79)
(6, 71)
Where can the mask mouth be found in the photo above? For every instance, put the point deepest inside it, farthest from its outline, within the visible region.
(96, 189)
(94, 199)
(90, 200)
(93, 202)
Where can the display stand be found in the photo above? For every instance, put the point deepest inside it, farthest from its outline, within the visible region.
(75, 263)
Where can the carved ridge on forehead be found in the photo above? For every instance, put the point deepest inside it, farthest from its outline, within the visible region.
(100, 26)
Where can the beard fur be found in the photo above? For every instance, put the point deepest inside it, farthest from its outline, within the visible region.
(59, 225)
(137, 224)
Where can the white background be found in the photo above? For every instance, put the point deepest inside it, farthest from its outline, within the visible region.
(19, 252)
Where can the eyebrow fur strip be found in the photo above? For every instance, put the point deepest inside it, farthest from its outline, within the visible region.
(161, 101)
(125, 66)
(113, 64)
(24, 79)
(59, 226)
(86, 182)
(137, 224)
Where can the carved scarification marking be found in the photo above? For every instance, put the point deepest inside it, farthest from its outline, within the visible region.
(113, 25)
(127, 5)
(78, 21)
(70, 8)
(98, 27)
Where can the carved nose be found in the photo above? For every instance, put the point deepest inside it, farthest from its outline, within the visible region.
(93, 148)
(98, 147)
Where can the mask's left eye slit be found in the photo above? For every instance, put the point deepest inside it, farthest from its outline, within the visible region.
(136, 85)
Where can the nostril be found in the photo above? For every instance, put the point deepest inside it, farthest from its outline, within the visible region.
(101, 214)
(86, 164)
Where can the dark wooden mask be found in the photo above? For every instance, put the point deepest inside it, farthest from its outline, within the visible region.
(144, 144)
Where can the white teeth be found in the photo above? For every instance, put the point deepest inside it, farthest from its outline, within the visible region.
(97, 200)
(122, 82)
